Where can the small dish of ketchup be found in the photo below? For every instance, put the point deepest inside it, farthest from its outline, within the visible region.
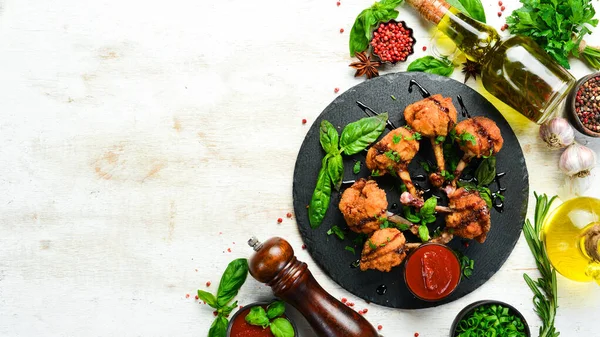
(238, 327)
(432, 272)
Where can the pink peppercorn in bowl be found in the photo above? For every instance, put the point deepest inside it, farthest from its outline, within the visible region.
(583, 105)
(392, 42)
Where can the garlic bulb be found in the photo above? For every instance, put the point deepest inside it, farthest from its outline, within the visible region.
(577, 160)
(557, 133)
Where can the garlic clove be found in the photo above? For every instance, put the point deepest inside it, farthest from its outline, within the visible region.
(577, 160)
(557, 133)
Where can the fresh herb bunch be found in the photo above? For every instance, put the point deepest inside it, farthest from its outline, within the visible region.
(491, 320)
(360, 34)
(422, 217)
(232, 280)
(545, 295)
(557, 26)
(279, 326)
(355, 137)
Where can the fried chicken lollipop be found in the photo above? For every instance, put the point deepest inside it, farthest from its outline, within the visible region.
(363, 206)
(470, 217)
(477, 137)
(433, 117)
(385, 249)
(392, 155)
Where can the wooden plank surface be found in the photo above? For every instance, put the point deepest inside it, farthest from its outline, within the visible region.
(142, 140)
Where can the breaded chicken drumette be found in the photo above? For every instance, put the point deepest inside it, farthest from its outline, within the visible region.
(470, 218)
(383, 250)
(392, 155)
(363, 206)
(433, 117)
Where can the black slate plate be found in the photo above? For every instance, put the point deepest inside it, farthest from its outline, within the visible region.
(329, 252)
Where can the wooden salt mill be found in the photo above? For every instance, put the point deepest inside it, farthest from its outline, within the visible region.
(275, 264)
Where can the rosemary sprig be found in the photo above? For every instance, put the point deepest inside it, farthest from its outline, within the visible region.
(545, 297)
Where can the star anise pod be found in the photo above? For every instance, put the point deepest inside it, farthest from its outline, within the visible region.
(471, 68)
(365, 66)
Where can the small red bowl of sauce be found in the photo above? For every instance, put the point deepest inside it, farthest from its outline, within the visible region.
(238, 327)
(432, 272)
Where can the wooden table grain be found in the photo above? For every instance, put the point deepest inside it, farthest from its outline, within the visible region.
(144, 142)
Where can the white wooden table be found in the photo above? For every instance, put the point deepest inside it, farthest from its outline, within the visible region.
(143, 140)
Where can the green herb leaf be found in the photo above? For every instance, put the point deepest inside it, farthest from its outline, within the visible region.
(361, 30)
(358, 135)
(209, 298)
(430, 64)
(329, 138)
(281, 327)
(440, 139)
(234, 276)
(410, 216)
(320, 199)
(356, 168)
(275, 309)
(371, 244)
(486, 171)
(486, 195)
(226, 310)
(394, 156)
(375, 173)
(428, 207)
(337, 231)
(396, 139)
(472, 8)
(424, 233)
(257, 316)
(426, 166)
(335, 169)
(465, 137)
(218, 327)
(350, 249)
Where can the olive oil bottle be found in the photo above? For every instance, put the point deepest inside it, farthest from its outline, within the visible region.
(571, 235)
(515, 70)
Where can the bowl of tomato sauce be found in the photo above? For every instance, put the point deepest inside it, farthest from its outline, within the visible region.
(238, 327)
(432, 272)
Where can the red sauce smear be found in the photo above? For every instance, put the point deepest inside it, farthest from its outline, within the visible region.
(241, 328)
(432, 272)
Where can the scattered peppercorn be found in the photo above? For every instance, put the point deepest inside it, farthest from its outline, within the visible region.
(416, 334)
(365, 310)
(424, 48)
(339, 3)
(208, 283)
(499, 14)
(215, 313)
(196, 297)
(303, 120)
(336, 90)
(288, 215)
(379, 327)
(587, 104)
(279, 220)
(502, 8)
(187, 295)
(502, 28)
(303, 246)
(341, 30)
(499, 3)
(392, 42)
(229, 250)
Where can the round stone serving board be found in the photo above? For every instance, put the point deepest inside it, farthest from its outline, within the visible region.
(330, 252)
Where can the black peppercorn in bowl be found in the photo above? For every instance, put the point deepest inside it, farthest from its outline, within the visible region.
(484, 315)
(392, 41)
(583, 105)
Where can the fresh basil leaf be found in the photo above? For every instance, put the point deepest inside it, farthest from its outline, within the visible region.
(335, 169)
(234, 276)
(412, 217)
(428, 207)
(350, 249)
(209, 298)
(359, 41)
(257, 316)
(472, 8)
(329, 138)
(486, 197)
(275, 309)
(281, 327)
(358, 135)
(218, 327)
(320, 198)
(402, 226)
(226, 310)
(430, 64)
(356, 168)
(337, 231)
(424, 233)
(486, 171)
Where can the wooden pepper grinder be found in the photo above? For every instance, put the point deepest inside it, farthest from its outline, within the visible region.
(275, 264)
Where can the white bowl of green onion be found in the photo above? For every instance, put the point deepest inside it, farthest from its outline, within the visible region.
(489, 318)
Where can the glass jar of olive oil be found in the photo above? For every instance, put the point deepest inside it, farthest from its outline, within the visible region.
(571, 235)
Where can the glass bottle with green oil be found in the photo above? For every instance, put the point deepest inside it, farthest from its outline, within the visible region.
(571, 235)
(515, 70)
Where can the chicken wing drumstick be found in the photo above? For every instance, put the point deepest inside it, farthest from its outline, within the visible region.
(392, 155)
(433, 117)
(470, 218)
(477, 137)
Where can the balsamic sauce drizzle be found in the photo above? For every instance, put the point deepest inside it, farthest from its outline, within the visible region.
(423, 91)
(463, 109)
(382, 289)
(367, 109)
(355, 264)
(497, 202)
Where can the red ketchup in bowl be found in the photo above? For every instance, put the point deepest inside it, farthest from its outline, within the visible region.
(241, 328)
(432, 272)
